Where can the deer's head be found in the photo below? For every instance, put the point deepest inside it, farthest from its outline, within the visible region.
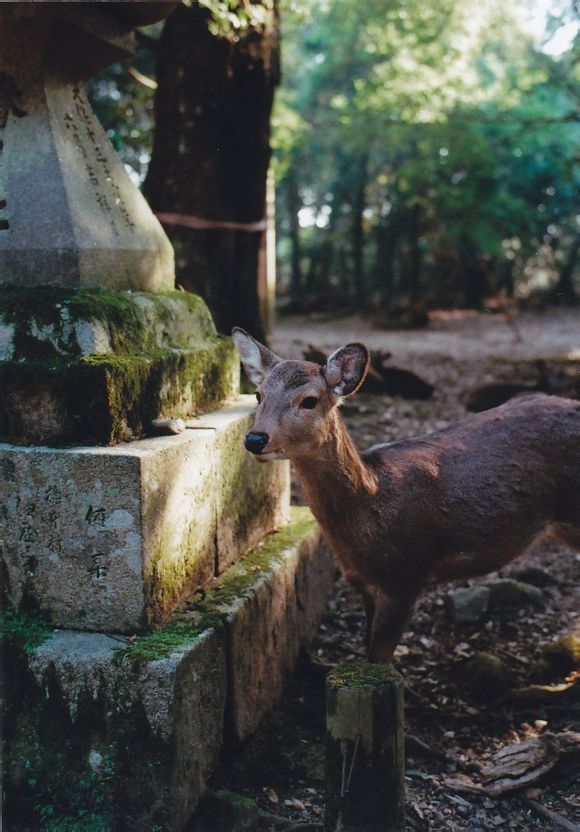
(296, 398)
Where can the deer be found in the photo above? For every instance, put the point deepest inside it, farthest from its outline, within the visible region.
(454, 504)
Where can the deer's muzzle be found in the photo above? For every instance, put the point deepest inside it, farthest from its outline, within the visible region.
(256, 442)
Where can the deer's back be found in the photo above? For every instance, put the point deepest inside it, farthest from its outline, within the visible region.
(476, 493)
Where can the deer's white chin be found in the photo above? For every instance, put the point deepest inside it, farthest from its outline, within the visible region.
(269, 456)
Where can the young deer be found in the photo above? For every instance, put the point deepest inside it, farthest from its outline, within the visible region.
(457, 503)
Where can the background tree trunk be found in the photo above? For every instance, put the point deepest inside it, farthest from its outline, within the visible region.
(565, 290)
(358, 237)
(211, 153)
(294, 204)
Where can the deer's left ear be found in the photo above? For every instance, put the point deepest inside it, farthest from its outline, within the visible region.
(346, 369)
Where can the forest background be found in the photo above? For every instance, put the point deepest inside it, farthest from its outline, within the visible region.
(425, 155)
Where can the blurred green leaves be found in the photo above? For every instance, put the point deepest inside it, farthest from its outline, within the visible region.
(469, 136)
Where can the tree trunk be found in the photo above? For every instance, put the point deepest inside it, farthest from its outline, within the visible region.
(358, 207)
(388, 235)
(210, 157)
(565, 291)
(413, 281)
(294, 203)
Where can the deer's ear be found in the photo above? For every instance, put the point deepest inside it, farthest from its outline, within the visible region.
(257, 359)
(346, 369)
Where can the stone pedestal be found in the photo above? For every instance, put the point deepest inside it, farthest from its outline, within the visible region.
(111, 733)
(113, 538)
(69, 213)
(146, 537)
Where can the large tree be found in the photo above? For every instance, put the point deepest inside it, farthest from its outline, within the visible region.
(217, 68)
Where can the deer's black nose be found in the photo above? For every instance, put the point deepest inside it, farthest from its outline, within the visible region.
(256, 442)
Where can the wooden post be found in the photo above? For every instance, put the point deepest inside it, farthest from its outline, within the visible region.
(365, 761)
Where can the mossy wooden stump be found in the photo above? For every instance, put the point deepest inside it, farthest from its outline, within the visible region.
(365, 761)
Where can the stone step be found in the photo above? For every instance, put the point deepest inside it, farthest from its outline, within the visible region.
(113, 538)
(136, 726)
(94, 367)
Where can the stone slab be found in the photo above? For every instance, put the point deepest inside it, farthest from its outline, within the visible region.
(113, 538)
(127, 731)
(115, 742)
(94, 367)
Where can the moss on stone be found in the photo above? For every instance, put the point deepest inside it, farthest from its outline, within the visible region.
(210, 607)
(558, 658)
(364, 675)
(63, 773)
(22, 630)
(165, 358)
(30, 309)
(104, 399)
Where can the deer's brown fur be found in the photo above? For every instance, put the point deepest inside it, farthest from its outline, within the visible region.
(457, 503)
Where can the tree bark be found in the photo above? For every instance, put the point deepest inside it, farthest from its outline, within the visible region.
(211, 154)
(565, 291)
(294, 203)
(358, 238)
(413, 278)
(388, 236)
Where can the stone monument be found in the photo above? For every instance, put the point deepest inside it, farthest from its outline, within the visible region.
(155, 590)
(70, 214)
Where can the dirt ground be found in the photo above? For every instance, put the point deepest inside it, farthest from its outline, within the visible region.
(450, 731)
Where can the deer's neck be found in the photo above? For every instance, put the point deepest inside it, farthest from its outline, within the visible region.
(334, 475)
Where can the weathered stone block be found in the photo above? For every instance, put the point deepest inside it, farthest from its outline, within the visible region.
(113, 538)
(248, 491)
(106, 742)
(123, 734)
(96, 367)
(271, 600)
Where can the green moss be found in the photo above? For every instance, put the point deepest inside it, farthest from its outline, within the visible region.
(210, 608)
(226, 810)
(558, 659)
(22, 630)
(30, 309)
(364, 675)
(104, 399)
(171, 638)
(166, 358)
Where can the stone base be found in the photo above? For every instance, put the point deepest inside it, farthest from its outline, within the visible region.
(113, 538)
(117, 734)
(95, 367)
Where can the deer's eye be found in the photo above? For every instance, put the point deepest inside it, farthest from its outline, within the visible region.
(309, 403)
(258, 397)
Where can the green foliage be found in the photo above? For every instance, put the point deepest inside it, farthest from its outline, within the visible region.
(22, 630)
(424, 150)
(232, 19)
(125, 107)
(212, 607)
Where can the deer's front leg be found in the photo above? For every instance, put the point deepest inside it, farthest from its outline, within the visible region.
(388, 622)
(368, 599)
